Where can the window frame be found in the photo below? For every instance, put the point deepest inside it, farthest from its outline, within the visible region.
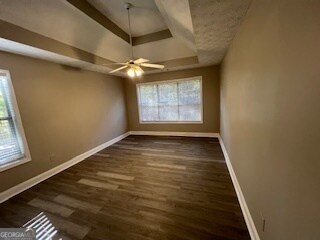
(27, 157)
(171, 81)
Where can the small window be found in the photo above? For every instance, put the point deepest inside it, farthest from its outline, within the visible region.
(177, 101)
(13, 147)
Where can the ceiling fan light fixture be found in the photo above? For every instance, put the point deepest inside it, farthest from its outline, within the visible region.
(138, 72)
(134, 72)
(131, 72)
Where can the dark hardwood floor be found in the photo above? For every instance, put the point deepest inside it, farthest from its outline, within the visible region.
(140, 188)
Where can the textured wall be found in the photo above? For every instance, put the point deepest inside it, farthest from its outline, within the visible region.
(210, 86)
(270, 95)
(64, 111)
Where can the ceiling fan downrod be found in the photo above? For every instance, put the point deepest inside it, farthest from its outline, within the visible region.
(128, 6)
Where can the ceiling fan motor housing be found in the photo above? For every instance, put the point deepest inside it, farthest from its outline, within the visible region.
(127, 5)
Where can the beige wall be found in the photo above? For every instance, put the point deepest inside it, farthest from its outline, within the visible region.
(210, 86)
(64, 111)
(270, 98)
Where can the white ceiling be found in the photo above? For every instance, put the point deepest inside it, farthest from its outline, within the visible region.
(145, 16)
(202, 28)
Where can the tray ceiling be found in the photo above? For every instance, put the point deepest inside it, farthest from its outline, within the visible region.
(182, 33)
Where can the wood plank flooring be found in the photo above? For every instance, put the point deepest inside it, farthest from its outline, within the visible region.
(143, 187)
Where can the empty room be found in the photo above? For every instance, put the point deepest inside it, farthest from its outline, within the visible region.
(159, 119)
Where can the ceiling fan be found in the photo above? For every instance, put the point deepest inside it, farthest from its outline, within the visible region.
(135, 66)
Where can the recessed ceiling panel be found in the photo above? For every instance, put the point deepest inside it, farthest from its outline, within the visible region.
(145, 16)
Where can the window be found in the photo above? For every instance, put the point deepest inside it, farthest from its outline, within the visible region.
(177, 101)
(13, 148)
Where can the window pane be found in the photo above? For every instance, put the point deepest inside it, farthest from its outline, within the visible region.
(168, 94)
(10, 147)
(5, 99)
(149, 103)
(190, 113)
(189, 92)
(168, 113)
(3, 109)
(189, 100)
(168, 102)
(149, 113)
(149, 95)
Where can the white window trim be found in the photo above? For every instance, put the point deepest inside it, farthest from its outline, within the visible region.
(171, 81)
(27, 156)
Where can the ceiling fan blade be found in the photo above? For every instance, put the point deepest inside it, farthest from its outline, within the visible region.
(150, 65)
(140, 60)
(107, 64)
(118, 69)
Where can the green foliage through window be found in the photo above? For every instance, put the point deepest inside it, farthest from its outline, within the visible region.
(171, 101)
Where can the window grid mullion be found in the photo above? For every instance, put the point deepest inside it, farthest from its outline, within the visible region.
(140, 104)
(178, 101)
(158, 103)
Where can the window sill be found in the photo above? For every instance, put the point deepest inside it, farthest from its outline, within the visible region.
(16, 163)
(171, 122)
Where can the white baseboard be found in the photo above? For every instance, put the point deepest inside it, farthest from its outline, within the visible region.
(177, 134)
(43, 176)
(244, 207)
